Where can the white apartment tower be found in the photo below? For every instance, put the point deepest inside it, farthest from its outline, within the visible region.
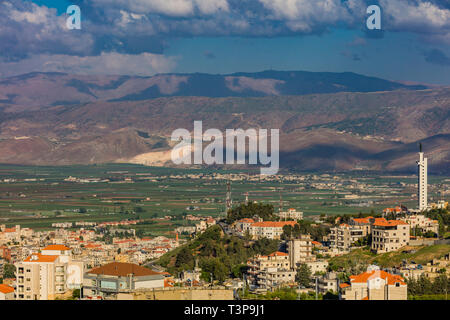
(422, 195)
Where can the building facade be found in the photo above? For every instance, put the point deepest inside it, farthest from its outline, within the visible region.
(107, 281)
(424, 223)
(269, 272)
(48, 274)
(290, 214)
(389, 235)
(344, 236)
(269, 229)
(422, 192)
(300, 250)
(374, 284)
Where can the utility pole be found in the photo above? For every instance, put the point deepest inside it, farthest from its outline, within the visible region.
(317, 288)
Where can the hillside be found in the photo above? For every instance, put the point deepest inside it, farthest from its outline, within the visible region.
(422, 255)
(216, 253)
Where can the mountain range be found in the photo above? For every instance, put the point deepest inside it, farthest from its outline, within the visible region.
(327, 121)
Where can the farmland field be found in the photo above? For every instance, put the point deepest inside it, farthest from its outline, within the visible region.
(36, 197)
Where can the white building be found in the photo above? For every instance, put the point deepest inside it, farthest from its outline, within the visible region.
(422, 222)
(291, 214)
(6, 292)
(422, 195)
(48, 274)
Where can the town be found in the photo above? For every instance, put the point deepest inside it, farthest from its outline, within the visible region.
(247, 250)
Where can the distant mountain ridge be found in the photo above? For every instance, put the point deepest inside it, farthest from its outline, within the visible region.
(38, 90)
(327, 121)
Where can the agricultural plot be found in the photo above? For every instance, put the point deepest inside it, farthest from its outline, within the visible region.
(36, 197)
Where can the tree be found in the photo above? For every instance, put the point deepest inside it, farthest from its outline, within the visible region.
(9, 271)
(287, 232)
(265, 211)
(303, 276)
(238, 270)
(76, 294)
(184, 258)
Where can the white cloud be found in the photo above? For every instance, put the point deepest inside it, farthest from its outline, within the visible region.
(111, 63)
(414, 16)
(303, 15)
(178, 8)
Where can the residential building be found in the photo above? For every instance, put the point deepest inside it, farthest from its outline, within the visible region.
(272, 271)
(374, 284)
(48, 274)
(317, 266)
(344, 236)
(290, 214)
(269, 229)
(389, 235)
(113, 278)
(424, 223)
(243, 225)
(6, 292)
(328, 282)
(300, 250)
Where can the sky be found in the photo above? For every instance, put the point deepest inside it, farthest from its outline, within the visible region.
(145, 37)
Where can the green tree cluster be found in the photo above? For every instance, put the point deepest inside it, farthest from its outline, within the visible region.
(265, 211)
(222, 255)
(424, 286)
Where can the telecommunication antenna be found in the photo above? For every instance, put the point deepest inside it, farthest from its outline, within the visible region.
(229, 202)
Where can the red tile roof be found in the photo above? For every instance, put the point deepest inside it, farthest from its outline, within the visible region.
(278, 254)
(246, 220)
(391, 278)
(389, 223)
(4, 288)
(41, 258)
(58, 247)
(273, 224)
(120, 269)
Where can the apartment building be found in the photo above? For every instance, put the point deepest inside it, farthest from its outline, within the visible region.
(300, 250)
(328, 282)
(344, 236)
(424, 223)
(272, 271)
(243, 225)
(48, 274)
(6, 292)
(389, 235)
(113, 278)
(269, 229)
(374, 284)
(290, 214)
(317, 266)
